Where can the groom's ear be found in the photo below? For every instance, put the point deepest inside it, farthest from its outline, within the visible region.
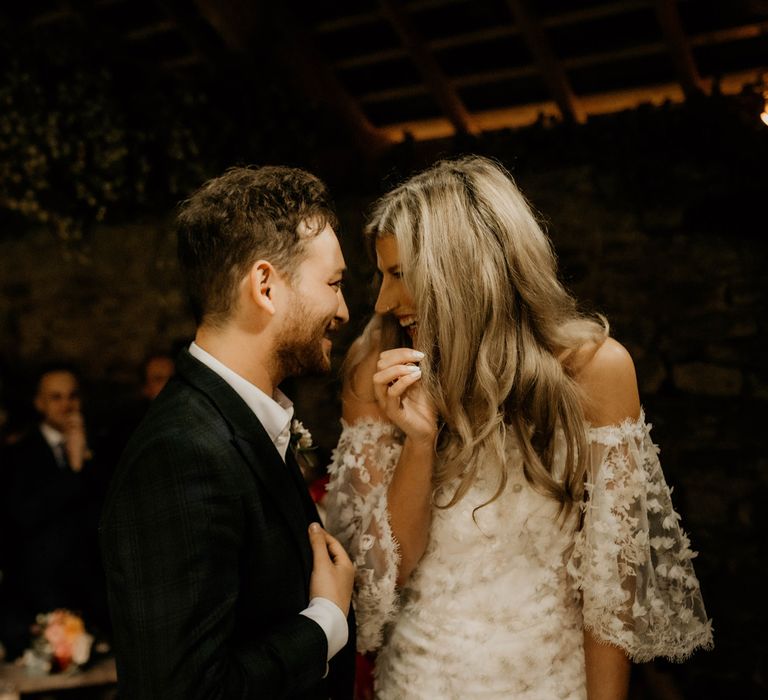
(261, 280)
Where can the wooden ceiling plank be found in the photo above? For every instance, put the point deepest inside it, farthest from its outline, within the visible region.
(421, 5)
(552, 71)
(371, 59)
(604, 57)
(679, 47)
(477, 37)
(393, 94)
(191, 59)
(441, 89)
(351, 21)
(150, 30)
(347, 22)
(51, 17)
(595, 12)
(724, 36)
(496, 76)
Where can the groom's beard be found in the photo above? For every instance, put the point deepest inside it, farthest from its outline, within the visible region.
(300, 344)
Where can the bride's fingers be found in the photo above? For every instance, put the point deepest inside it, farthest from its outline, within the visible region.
(393, 374)
(398, 356)
(397, 389)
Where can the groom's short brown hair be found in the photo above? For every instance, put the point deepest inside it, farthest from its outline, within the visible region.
(245, 215)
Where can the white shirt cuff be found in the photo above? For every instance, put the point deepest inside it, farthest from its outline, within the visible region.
(332, 621)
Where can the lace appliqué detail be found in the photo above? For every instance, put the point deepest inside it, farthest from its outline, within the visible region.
(362, 467)
(631, 561)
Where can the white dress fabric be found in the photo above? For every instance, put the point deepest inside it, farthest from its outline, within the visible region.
(497, 605)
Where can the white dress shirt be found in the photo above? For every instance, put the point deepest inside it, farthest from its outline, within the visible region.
(55, 440)
(275, 414)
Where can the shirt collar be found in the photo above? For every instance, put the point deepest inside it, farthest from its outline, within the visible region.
(274, 412)
(52, 436)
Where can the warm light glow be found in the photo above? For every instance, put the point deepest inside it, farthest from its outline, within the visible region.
(764, 115)
(604, 103)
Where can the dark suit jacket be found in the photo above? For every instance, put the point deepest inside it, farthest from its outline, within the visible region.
(48, 518)
(207, 557)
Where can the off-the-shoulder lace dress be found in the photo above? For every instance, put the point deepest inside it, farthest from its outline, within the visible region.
(497, 606)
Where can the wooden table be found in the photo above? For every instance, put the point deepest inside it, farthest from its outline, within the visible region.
(100, 673)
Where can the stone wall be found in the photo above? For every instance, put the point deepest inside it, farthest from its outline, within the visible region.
(687, 296)
(690, 305)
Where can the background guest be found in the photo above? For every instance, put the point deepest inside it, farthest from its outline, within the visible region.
(50, 500)
(157, 369)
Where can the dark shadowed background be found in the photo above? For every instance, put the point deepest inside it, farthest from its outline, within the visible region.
(633, 127)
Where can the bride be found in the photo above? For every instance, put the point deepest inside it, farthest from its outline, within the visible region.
(495, 481)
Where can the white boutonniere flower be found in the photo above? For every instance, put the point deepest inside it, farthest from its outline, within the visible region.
(303, 449)
(301, 438)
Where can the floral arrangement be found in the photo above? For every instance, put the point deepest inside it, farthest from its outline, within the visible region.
(60, 644)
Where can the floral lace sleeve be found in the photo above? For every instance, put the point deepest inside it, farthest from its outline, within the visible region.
(357, 515)
(631, 561)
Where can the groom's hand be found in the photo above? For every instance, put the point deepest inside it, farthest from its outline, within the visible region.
(333, 573)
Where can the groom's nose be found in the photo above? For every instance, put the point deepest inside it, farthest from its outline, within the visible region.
(342, 313)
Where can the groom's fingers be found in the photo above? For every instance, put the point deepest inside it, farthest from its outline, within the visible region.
(337, 553)
(317, 538)
(333, 573)
(326, 546)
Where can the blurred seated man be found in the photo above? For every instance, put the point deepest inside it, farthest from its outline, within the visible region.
(50, 511)
(157, 369)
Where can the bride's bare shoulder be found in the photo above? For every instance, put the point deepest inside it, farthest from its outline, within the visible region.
(606, 373)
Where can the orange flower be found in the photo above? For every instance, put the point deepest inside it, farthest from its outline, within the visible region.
(69, 642)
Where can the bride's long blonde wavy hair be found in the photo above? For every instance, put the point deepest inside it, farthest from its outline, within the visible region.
(494, 323)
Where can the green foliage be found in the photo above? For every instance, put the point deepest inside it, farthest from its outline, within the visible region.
(79, 146)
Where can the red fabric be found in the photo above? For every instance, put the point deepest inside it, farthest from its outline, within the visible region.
(317, 488)
(364, 677)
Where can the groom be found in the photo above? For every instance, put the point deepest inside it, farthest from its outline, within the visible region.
(218, 585)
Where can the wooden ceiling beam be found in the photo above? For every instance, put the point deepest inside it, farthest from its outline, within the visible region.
(204, 49)
(150, 30)
(52, 17)
(243, 25)
(605, 57)
(723, 36)
(348, 22)
(595, 12)
(552, 71)
(397, 93)
(481, 35)
(351, 21)
(371, 59)
(187, 61)
(441, 89)
(600, 103)
(449, 42)
(679, 47)
(748, 31)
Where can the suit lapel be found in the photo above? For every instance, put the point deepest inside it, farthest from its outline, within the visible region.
(298, 478)
(273, 474)
(257, 449)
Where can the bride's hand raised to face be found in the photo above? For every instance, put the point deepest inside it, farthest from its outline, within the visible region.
(400, 394)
